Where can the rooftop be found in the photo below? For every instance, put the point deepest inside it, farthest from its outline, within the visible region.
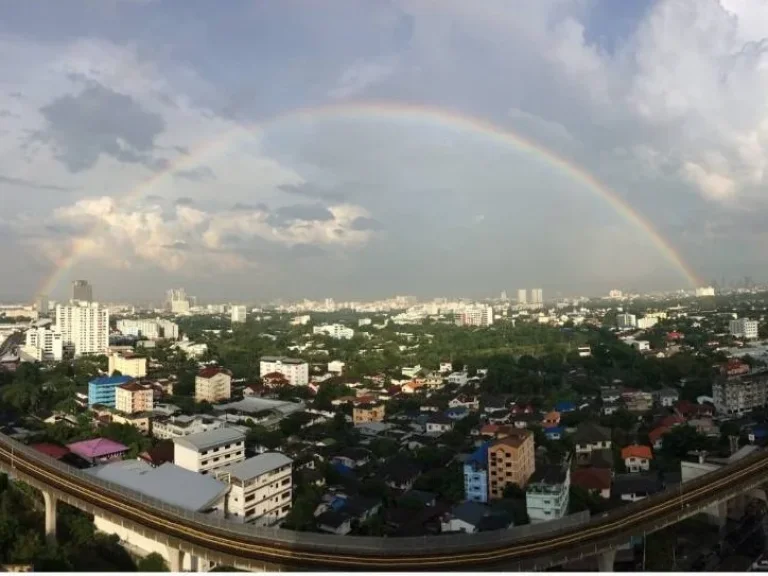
(169, 483)
(110, 381)
(636, 451)
(549, 474)
(251, 405)
(97, 448)
(210, 438)
(256, 466)
(212, 371)
(282, 359)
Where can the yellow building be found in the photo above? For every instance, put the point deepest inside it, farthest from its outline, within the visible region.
(134, 397)
(128, 364)
(213, 385)
(511, 460)
(368, 413)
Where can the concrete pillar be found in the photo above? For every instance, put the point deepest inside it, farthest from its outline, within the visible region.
(194, 563)
(175, 559)
(605, 560)
(50, 517)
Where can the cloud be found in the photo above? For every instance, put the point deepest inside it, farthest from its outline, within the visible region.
(182, 201)
(307, 212)
(24, 183)
(99, 121)
(363, 223)
(310, 190)
(359, 77)
(196, 174)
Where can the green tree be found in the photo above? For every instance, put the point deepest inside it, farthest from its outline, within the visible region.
(153, 562)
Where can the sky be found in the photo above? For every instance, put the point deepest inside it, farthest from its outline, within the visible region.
(251, 150)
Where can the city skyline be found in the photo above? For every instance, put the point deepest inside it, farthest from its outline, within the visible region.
(409, 166)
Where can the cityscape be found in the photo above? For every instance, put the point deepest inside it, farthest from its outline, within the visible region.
(395, 286)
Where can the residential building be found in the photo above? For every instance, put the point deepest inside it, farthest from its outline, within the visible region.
(473, 517)
(184, 425)
(476, 316)
(510, 461)
(547, 492)
(337, 331)
(301, 320)
(177, 301)
(647, 322)
(522, 296)
(476, 475)
(260, 488)
(213, 384)
(634, 487)
(209, 451)
(82, 291)
(84, 327)
(239, 314)
(667, 397)
(637, 401)
(336, 367)
(537, 296)
(637, 458)
(44, 343)
(127, 364)
(101, 391)
(743, 328)
(149, 329)
(625, 321)
(372, 412)
(741, 394)
(588, 438)
(295, 370)
(439, 424)
(98, 450)
(133, 397)
(594, 480)
(458, 378)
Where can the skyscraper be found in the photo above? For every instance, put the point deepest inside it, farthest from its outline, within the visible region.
(84, 326)
(177, 301)
(41, 303)
(522, 296)
(82, 291)
(537, 296)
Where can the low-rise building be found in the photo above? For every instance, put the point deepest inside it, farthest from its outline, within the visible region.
(590, 437)
(260, 488)
(101, 391)
(213, 384)
(127, 364)
(166, 428)
(295, 370)
(476, 475)
(134, 397)
(370, 412)
(547, 492)
(741, 394)
(637, 458)
(439, 424)
(511, 460)
(594, 480)
(744, 328)
(209, 451)
(338, 331)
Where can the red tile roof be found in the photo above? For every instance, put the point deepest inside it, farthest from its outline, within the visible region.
(592, 478)
(212, 371)
(52, 450)
(657, 433)
(636, 451)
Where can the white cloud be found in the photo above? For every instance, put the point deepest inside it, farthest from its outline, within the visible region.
(360, 76)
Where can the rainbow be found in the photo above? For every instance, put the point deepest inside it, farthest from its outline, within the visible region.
(400, 112)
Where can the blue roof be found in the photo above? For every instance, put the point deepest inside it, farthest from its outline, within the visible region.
(480, 455)
(565, 406)
(553, 430)
(107, 380)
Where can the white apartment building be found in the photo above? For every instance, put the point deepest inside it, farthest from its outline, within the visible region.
(44, 343)
(84, 326)
(626, 321)
(477, 316)
(705, 291)
(127, 364)
(743, 328)
(295, 371)
(212, 385)
(301, 320)
(740, 395)
(547, 493)
(209, 451)
(260, 488)
(238, 314)
(336, 367)
(134, 397)
(338, 331)
(184, 425)
(537, 296)
(522, 296)
(364, 322)
(647, 322)
(151, 329)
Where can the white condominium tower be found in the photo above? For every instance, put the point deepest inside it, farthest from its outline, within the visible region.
(84, 326)
(537, 296)
(522, 296)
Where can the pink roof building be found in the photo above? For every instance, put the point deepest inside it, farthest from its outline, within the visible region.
(98, 449)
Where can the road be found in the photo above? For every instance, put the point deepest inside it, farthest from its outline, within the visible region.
(296, 549)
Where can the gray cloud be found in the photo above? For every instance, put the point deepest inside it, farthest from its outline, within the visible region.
(184, 201)
(179, 246)
(23, 183)
(364, 223)
(245, 207)
(201, 174)
(100, 121)
(309, 190)
(284, 215)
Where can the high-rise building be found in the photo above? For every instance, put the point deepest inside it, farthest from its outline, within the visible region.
(177, 301)
(477, 316)
(44, 343)
(537, 296)
(624, 321)
(511, 460)
(41, 303)
(503, 295)
(239, 314)
(84, 327)
(705, 291)
(82, 291)
(744, 328)
(522, 296)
